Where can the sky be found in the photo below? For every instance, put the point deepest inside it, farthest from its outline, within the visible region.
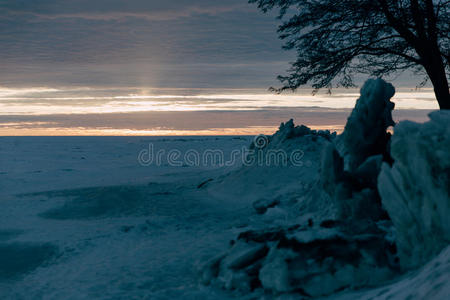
(95, 67)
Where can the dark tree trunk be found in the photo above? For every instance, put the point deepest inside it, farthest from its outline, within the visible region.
(436, 71)
(441, 90)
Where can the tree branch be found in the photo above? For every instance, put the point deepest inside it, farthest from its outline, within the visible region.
(397, 25)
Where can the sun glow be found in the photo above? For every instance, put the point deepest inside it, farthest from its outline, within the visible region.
(83, 131)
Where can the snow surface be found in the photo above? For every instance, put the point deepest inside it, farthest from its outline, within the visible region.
(81, 219)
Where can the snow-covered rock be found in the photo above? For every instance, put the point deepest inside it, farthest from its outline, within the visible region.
(416, 190)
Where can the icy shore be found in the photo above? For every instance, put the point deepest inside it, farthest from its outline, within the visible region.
(351, 228)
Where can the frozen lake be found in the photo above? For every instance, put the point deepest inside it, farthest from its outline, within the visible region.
(83, 218)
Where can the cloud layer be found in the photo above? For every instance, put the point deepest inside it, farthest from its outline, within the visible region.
(138, 43)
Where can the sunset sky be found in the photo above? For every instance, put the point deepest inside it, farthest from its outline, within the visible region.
(105, 67)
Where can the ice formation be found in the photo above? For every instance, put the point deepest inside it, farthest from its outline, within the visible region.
(315, 251)
(365, 132)
(416, 190)
(350, 165)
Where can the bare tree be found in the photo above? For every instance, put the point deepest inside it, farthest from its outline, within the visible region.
(335, 39)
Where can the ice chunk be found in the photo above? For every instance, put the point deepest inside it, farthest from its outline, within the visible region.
(274, 275)
(311, 260)
(416, 190)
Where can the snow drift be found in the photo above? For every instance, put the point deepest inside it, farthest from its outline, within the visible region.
(270, 174)
(416, 190)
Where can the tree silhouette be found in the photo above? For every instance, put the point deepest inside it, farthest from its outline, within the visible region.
(336, 39)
